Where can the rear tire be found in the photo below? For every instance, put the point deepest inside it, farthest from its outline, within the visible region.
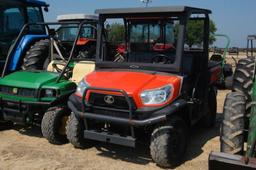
(243, 82)
(169, 142)
(37, 57)
(232, 127)
(75, 131)
(54, 125)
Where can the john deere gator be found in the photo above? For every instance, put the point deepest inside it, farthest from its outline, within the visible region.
(32, 97)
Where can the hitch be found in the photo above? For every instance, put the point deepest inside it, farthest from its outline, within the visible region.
(220, 161)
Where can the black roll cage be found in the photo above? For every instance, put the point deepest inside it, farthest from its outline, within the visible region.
(176, 67)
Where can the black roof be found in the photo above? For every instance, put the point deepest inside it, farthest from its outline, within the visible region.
(177, 9)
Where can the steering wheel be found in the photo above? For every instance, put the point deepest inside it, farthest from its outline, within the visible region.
(161, 59)
(68, 72)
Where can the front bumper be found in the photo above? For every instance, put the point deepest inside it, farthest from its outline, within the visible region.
(147, 117)
(21, 112)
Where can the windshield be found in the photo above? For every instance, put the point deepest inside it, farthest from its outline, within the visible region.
(151, 41)
(69, 32)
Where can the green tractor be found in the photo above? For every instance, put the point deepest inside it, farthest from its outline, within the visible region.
(238, 129)
(40, 97)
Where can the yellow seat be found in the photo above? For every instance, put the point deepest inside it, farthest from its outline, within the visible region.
(81, 69)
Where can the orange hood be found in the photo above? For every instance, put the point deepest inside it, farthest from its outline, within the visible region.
(133, 83)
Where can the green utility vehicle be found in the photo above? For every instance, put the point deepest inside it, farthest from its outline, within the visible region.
(27, 97)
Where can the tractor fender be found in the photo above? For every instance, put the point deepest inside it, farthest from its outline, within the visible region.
(23, 45)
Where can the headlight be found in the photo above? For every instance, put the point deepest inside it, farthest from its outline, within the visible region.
(81, 87)
(156, 96)
(49, 93)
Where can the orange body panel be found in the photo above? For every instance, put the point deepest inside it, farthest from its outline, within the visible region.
(134, 83)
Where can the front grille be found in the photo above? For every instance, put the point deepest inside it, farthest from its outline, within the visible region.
(111, 113)
(23, 92)
(97, 99)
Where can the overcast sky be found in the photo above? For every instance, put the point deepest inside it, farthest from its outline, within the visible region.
(236, 18)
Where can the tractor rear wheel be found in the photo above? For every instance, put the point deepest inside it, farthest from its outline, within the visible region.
(75, 131)
(243, 82)
(232, 127)
(169, 142)
(54, 125)
(37, 57)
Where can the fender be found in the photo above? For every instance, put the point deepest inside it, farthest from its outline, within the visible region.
(21, 48)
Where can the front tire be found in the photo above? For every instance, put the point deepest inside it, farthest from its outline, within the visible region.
(169, 142)
(232, 127)
(54, 125)
(75, 130)
(37, 57)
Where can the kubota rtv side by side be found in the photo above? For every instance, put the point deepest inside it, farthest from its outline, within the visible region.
(156, 84)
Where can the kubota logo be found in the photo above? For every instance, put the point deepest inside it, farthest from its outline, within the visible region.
(109, 99)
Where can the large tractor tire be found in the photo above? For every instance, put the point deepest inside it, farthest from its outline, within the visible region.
(54, 123)
(243, 81)
(37, 57)
(169, 142)
(75, 131)
(232, 127)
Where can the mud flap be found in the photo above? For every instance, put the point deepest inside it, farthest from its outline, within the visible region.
(223, 161)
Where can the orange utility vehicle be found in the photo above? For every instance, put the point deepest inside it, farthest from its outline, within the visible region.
(157, 92)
